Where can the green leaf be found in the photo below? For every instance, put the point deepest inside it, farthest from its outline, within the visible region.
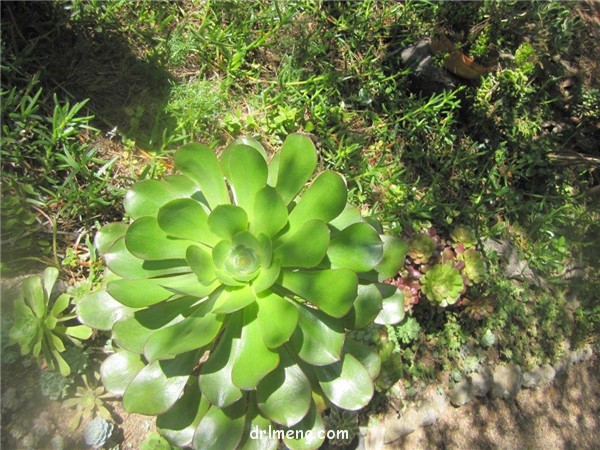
(332, 291)
(119, 369)
(49, 279)
(306, 248)
(79, 331)
(200, 261)
(233, 298)
(346, 383)
(121, 262)
(297, 162)
(350, 215)
(308, 434)
(324, 200)
(270, 212)
(367, 356)
(392, 310)
(244, 141)
(200, 164)
(357, 247)
(394, 252)
(182, 187)
(108, 235)
(247, 174)
(99, 310)
(267, 277)
(257, 427)
(365, 308)
(158, 385)
(63, 367)
(179, 423)
(34, 295)
(132, 333)
(193, 332)
(254, 359)
(185, 218)
(278, 319)
(318, 338)
(215, 375)
(221, 428)
(226, 221)
(145, 198)
(62, 303)
(285, 395)
(146, 240)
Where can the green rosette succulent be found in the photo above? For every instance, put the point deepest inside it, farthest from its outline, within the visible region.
(442, 284)
(463, 235)
(229, 295)
(474, 266)
(40, 325)
(421, 248)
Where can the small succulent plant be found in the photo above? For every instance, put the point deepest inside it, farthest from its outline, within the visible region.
(238, 260)
(442, 284)
(488, 339)
(474, 266)
(421, 248)
(38, 324)
(342, 426)
(478, 308)
(97, 432)
(408, 331)
(88, 401)
(53, 385)
(465, 236)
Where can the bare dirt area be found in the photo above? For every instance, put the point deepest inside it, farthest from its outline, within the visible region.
(563, 415)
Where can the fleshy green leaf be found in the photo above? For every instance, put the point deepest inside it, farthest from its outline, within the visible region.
(61, 303)
(394, 252)
(247, 174)
(298, 161)
(324, 200)
(318, 339)
(146, 240)
(193, 332)
(34, 295)
(179, 423)
(346, 383)
(227, 220)
(332, 291)
(350, 215)
(234, 298)
(215, 375)
(200, 164)
(270, 212)
(182, 187)
(392, 310)
(284, 395)
(200, 261)
(145, 198)
(367, 356)
(99, 310)
(365, 308)
(221, 428)
(257, 427)
(357, 247)
(276, 332)
(158, 385)
(108, 235)
(185, 218)
(119, 369)
(49, 279)
(301, 438)
(79, 331)
(305, 248)
(267, 277)
(254, 359)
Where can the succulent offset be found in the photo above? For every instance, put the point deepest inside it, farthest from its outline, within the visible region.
(97, 432)
(442, 284)
(229, 295)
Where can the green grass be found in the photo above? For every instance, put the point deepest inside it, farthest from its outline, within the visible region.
(495, 154)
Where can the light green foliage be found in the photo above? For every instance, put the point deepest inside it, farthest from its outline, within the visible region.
(488, 339)
(421, 247)
(464, 235)
(238, 257)
(39, 323)
(442, 284)
(525, 58)
(97, 432)
(155, 441)
(408, 331)
(474, 265)
(88, 402)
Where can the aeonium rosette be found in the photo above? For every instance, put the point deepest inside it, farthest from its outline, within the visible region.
(229, 296)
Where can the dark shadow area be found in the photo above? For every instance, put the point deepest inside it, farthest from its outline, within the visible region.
(85, 60)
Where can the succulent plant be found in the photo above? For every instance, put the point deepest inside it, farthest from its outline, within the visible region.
(488, 339)
(38, 327)
(53, 385)
(229, 296)
(442, 284)
(421, 248)
(474, 268)
(478, 308)
(342, 426)
(88, 401)
(464, 235)
(97, 432)
(408, 331)
(57, 442)
(471, 364)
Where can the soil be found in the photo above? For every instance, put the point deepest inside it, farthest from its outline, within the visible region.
(563, 415)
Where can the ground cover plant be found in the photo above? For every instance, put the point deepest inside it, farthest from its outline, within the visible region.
(491, 178)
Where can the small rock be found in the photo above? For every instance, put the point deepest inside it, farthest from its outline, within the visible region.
(507, 381)
(547, 374)
(374, 438)
(462, 393)
(481, 382)
(563, 364)
(530, 380)
(396, 428)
